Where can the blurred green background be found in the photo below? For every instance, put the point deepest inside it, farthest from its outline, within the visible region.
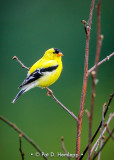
(27, 30)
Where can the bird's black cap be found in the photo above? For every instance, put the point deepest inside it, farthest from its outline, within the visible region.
(56, 50)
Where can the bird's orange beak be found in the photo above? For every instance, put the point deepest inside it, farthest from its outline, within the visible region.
(59, 54)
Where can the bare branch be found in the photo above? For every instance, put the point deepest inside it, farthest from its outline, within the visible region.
(88, 114)
(85, 27)
(96, 148)
(94, 73)
(107, 139)
(85, 79)
(96, 132)
(104, 60)
(63, 147)
(22, 65)
(23, 134)
(50, 93)
(20, 148)
(102, 140)
(109, 119)
(109, 132)
(99, 36)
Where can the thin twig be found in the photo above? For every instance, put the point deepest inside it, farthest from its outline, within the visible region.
(96, 148)
(20, 147)
(102, 130)
(63, 147)
(85, 27)
(66, 109)
(22, 65)
(109, 132)
(94, 74)
(23, 134)
(107, 139)
(96, 132)
(104, 60)
(109, 119)
(88, 114)
(99, 36)
(85, 79)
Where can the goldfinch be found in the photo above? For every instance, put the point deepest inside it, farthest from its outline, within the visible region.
(43, 73)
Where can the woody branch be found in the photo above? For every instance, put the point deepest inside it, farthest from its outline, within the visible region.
(85, 79)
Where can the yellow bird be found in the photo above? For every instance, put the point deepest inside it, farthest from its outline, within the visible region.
(44, 72)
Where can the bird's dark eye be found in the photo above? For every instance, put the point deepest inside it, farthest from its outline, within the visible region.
(56, 51)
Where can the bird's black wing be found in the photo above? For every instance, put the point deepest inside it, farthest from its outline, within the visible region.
(37, 74)
(32, 77)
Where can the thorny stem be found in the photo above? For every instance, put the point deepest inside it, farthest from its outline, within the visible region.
(85, 79)
(66, 109)
(94, 74)
(23, 134)
(96, 132)
(20, 148)
(63, 147)
(22, 65)
(109, 119)
(107, 139)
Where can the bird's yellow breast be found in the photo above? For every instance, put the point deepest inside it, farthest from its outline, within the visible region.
(48, 78)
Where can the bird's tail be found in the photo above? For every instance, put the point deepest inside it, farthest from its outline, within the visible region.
(18, 95)
(25, 89)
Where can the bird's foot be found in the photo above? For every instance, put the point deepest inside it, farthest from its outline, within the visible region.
(49, 93)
